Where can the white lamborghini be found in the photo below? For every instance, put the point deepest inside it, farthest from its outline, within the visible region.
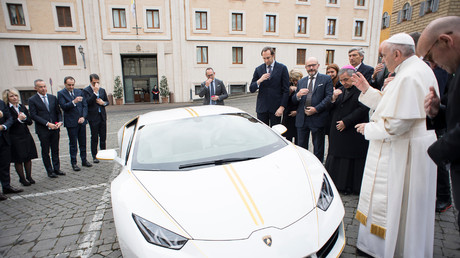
(213, 181)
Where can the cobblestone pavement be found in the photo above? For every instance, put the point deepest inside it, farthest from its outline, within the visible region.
(71, 216)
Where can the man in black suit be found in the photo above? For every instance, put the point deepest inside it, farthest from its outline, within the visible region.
(75, 112)
(44, 110)
(96, 98)
(6, 121)
(313, 96)
(272, 81)
(212, 89)
(356, 58)
(440, 43)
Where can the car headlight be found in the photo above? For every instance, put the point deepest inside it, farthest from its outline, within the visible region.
(325, 196)
(157, 235)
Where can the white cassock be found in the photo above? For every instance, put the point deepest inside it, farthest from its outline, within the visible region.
(397, 201)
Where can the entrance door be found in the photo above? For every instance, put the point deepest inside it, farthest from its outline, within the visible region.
(140, 74)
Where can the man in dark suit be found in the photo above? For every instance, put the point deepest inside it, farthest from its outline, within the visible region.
(96, 98)
(6, 121)
(44, 110)
(356, 58)
(272, 81)
(212, 89)
(75, 112)
(440, 44)
(313, 96)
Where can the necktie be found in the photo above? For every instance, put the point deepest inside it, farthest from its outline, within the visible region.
(71, 94)
(310, 92)
(46, 103)
(212, 92)
(269, 71)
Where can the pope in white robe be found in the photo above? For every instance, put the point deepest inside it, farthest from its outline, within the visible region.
(397, 201)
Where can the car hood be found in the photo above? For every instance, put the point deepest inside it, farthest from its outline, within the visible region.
(232, 201)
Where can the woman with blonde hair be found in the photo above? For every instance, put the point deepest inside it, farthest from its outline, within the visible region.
(22, 144)
(291, 110)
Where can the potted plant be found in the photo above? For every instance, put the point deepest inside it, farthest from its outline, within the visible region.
(164, 89)
(118, 91)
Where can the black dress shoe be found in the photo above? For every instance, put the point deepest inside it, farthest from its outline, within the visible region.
(59, 173)
(76, 168)
(3, 197)
(30, 179)
(95, 160)
(86, 164)
(52, 175)
(24, 182)
(12, 190)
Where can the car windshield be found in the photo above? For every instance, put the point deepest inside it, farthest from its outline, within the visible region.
(198, 142)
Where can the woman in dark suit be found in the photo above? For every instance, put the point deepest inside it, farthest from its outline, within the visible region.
(290, 111)
(22, 144)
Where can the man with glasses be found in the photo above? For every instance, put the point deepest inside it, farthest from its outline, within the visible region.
(398, 192)
(271, 79)
(440, 43)
(313, 95)
(212, 89)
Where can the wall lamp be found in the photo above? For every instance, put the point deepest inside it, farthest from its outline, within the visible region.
(80, 49)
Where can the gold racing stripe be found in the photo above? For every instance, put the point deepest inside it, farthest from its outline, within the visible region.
(247, 193)
(189, 111)
(196, 113)
(241, 195)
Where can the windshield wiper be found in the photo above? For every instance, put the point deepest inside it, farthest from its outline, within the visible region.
(215, 162)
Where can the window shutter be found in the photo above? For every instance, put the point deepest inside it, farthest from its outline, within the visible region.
(409, 14)
(422, 8)
(399, 17)
(434, 5)
(387, 22)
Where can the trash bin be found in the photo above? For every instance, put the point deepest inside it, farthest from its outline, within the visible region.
(171, 97)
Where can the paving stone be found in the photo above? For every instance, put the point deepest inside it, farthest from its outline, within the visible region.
(71, 230)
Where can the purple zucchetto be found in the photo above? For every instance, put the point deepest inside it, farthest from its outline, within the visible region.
(348, 67)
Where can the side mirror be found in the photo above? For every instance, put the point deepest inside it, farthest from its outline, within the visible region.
(110, 154)
(279, 128)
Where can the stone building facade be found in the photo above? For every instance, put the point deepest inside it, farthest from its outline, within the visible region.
(178, 39)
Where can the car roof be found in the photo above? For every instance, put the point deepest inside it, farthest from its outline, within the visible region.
(185, 112)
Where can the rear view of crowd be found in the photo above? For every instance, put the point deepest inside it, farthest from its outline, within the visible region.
(17, 145)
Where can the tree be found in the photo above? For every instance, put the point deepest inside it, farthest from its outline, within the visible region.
(118, 88)
(164, 89)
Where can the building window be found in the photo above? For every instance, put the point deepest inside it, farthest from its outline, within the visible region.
(237, 22)
(64, 16)
(329, 56)
(119, 18)
(428, 6)
(153, 19)
(201, 20)
(301, 54)
(201, 55)
(405, 14)
(237, 55)
(68, 55)
(16, 14)
(302, 25)
(359, 28)
(360, 2)
(385, 20)
(331, 26)
(23, 54)
(332, 1)
(270, 23)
